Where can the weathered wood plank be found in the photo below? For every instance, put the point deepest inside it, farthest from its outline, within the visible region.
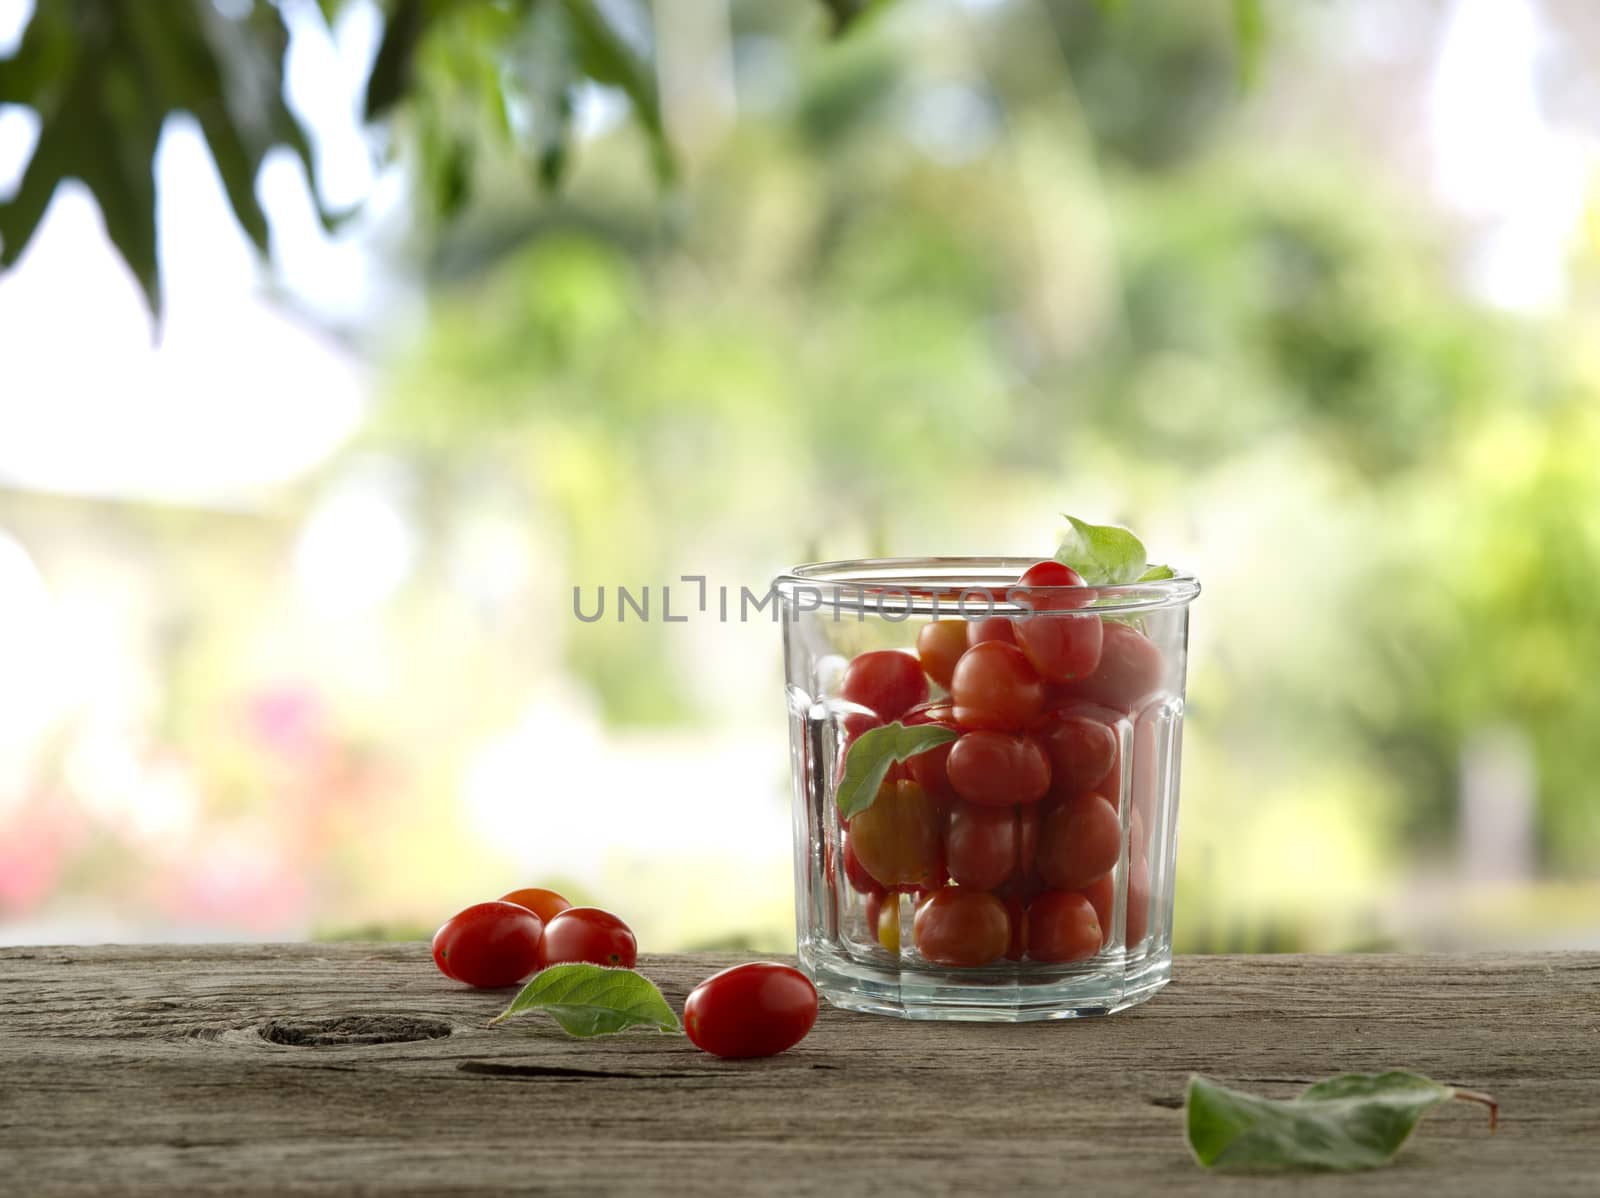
(123, 1068)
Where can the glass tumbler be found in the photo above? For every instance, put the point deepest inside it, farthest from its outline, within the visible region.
(1017, 862)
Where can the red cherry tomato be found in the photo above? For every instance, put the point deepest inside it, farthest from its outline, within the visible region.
(588, 934)
(754, 1010)
(1059, 647)
(939, 646)
(1102, 896)
(930, 770)
(489, 945)
(1082, 751)
(885, 681)
(899, 840)
(546, 904)
(981, 845)
(994, 687)
(998, 770)
(990, 628)
(1129, 671)
(1062, 926)
(1138, 922)
(1054, 578)
(863, 882)
(956, 926)
(1079, 840)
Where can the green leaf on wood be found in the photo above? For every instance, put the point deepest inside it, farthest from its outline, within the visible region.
(871, 755)
(1353, 1121)
(593, 1000)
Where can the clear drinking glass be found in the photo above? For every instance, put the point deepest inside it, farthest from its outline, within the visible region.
(947, 867)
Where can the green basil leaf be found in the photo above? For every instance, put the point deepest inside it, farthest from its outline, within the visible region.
(592, 1000)
(1157, 574)
(873, 752)
(1353, 1121)
(1105, 554)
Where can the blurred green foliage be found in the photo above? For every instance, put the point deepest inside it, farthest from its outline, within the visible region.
(957, 271)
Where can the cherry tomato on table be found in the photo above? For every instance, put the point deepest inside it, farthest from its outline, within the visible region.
(939, 645)
(885, 681)
(489, 945)
(546, 904)
(957, 926)
(995, 688)
(588, 934)
(754, 1010)
(997, 769)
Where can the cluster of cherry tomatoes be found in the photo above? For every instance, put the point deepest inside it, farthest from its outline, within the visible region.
(1009, 835)
(751, 1010)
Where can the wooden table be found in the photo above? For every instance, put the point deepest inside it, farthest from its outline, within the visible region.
(175, 1070)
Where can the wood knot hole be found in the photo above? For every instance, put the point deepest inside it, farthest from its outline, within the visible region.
(351, 1030)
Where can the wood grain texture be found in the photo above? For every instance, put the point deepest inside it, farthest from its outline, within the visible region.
(145, 1069)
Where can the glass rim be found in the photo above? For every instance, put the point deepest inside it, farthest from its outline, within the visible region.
(933, 585)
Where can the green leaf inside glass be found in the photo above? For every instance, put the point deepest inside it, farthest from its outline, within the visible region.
(593, 1000)
(873, 752)
(1353, 1121)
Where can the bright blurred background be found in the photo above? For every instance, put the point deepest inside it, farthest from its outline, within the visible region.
(1308, 295)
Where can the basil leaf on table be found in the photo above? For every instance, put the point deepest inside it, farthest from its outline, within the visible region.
(871, 755)
(1353, 1121)
(594, 1000)
(1103, 554)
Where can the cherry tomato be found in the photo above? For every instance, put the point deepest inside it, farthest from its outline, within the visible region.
(489, 945)
(1059, 647)
(885, 681)
(899, 840)
(1129, 671)
(886, 926)
(994, 687)
(939, 645)
(546, 904)
(1062, 926)
(990, 628)
(754, 1010)
(864, 882)
(1079, 840)
(1082, 751)
(957, 926)
(588, 934)
(854, 724)
(930, 770)
(1102, 896)
(981, 845)
(998, 770)
(1138, 922)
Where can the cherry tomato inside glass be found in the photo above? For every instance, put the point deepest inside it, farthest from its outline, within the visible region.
(1062, 926)
(885, 681)
(994, 687)
(990, 628)
(981, 845)
(489, 945)
(997, 769)
(939, 646)
(753, 1010)
(1079, 841)
(899, 840)
(1082, 751)
(860, 879)
(961, 927)
(1129, 671)
(588, 934)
